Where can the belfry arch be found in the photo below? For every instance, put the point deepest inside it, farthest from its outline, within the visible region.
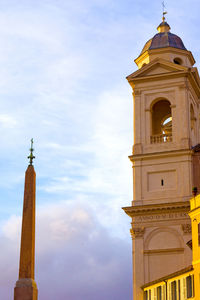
(161, 121)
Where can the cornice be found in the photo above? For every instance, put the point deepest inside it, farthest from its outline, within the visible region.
(141, 210)
(190, 73)
(169, 153)
(164, 50)
(161, 251)
(160, 76)
(138, 74)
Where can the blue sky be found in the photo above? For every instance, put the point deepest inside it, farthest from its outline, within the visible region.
(62, 81)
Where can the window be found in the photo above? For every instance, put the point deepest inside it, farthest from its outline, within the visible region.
(177, 61)
(189, 286)
(173, 290)
(159, 293)
(161, 122)
(145, 295)
(179, 290)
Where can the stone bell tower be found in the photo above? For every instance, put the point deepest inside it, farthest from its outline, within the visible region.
(165, 157)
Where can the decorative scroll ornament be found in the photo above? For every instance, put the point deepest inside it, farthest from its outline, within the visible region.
(137, 92)
(137, 232)
(186, 228)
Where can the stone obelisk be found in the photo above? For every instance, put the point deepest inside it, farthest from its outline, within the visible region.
(26, 288)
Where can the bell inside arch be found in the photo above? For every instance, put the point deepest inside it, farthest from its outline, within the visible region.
(167, 126)
(161, 122)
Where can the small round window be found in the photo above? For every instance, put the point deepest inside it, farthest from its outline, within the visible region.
(177, 61)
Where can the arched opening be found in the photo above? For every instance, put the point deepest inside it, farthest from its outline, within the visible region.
(161, 122)
(178, 61)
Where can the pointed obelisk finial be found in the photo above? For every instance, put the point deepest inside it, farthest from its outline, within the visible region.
(26, 288)
(31, 156)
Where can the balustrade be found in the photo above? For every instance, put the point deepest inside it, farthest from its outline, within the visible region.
(161, 138)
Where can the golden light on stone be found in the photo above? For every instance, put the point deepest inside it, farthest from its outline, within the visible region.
(26, 288)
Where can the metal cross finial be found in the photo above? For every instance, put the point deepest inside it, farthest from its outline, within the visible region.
(164, 11)
(31, 156)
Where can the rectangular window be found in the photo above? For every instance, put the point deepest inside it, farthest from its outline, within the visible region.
(193, 293)
(179, 290)
(199, 233)
(173, 290)
(149, 295)
(189, 286)
(145, 295)
(159, 293)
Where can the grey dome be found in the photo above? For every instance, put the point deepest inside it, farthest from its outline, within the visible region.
(164, 40)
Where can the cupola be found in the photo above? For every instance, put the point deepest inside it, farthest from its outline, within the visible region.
(166, 45)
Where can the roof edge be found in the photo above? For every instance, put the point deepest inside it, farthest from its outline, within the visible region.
(175, 274)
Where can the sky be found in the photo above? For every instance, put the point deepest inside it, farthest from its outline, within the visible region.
(62, 82)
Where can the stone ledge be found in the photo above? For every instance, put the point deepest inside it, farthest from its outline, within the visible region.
(164, 251)
(141, 210)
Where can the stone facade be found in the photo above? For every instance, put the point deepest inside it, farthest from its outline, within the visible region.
(166, 129)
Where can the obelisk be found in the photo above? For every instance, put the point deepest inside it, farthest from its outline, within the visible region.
(26, 288)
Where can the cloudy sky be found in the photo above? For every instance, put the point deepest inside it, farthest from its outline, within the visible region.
(63, 65)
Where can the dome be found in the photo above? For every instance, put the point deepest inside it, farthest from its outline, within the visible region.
(164, 39)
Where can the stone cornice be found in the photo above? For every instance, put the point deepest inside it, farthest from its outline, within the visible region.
(160, 76)
(160, 154)
(162, 208)
(164, 50)
(163, 251)
(191, 74)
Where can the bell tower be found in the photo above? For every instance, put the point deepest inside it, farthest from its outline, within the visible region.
(165, 156)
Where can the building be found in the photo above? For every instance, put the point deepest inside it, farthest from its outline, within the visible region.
(165, 159)
(183, 284)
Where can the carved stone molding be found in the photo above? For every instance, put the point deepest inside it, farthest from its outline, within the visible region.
(186, 228)
(151, 211)
(137, 232)
(137, 92)
(182, 87)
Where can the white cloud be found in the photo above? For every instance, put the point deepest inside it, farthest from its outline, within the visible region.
(72, 250)
(7, 121)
